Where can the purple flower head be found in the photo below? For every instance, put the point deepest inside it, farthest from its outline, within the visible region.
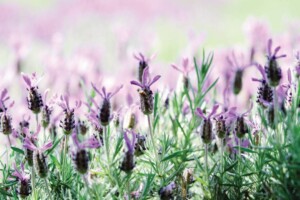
(273, 55)
(200, 113)
(130, 143)
(31, 81)
(20, 174)
(185, 67)
(146, 80)
(104, 94)
(28, 144)
(91, 143)
(64, 103)
(3, 98)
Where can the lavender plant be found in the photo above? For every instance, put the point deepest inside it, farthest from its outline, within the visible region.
(247, 148)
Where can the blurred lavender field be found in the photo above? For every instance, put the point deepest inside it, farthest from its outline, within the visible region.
(73, 43)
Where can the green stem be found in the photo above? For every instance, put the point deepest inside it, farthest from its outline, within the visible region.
(48, 188)
(240, 155)
(87, 186)
(9, 141)
(33, 182)
(222, 153)
(153, 141)
(65, 153)
(206, 161)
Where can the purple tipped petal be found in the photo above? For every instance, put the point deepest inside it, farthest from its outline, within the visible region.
(145, 77)
(46, 146)
(17, 173)
(3, 94)
(129, 144)
(75, 140)
(104, 92)
(29, 145)
(269, 48)
(200, 114)
(96, 90)
(261, 70)
(245, 113)
(154, 80)
(185, 63)
(256, 80)
(176, 68)
(26, 80)
(276, 51)
(214, 110)
(136, 83)
(92, 143)
(116, 91)
(66, 99)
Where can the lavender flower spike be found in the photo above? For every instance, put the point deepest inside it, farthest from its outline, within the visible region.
(206, 126)
(34, 99)
(24, 189)
(105, 109)
(265, 92)
(272, 69)
(39, 159)
(128, 162)
(146, 94)
(80, 155)
(184, 70)
(68, 124)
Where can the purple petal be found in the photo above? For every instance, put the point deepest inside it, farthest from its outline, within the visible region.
(46, 146)
(262, 71)
(66, 98)
(276, 51)
(176, 68)
(29, 145)
(214, 110)
(3, 94)
(185, 63)
(154, 80)
(104, 92)
(116, 91)
(245, 113)
(269, 48)
(92, 143)
(200, 114)
(136, 83)
(46, 95)
(78, 104)
(145, 77)
(75, 140)
(26, 79)
(96, 90)
(256, 80)
(17, 173)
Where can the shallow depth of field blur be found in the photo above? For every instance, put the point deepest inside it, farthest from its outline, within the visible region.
(73, 43)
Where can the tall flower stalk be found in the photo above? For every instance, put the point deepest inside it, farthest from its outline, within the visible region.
(104, 111)
(146, 98)
(206, 131)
